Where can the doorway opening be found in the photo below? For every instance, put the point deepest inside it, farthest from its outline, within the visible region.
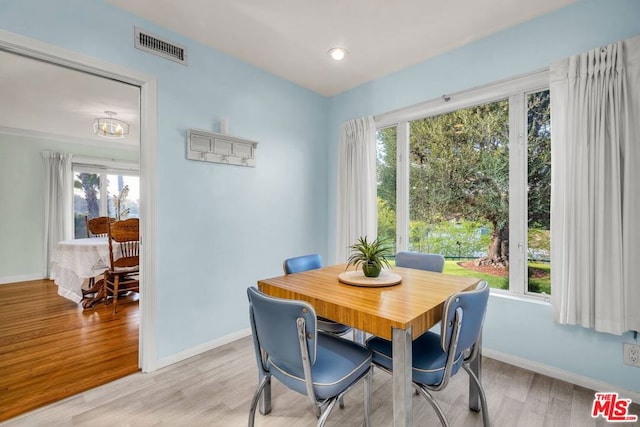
(53, 56)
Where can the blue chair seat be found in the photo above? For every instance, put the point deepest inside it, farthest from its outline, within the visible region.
(429, 359)
(339, 363)
(331, 327)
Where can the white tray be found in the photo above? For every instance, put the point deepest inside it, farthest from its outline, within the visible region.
(357, 278)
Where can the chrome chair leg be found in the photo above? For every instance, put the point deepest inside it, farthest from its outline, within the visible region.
(483, 397)
(318, 410)
(434, 404)
(368, 386)
(326, 412)
(265, 401)
(256, 398)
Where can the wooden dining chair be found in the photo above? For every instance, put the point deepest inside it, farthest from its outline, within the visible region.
(96, 227)
(124, 259)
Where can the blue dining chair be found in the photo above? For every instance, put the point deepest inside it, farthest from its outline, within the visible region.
(438, 357)
(289, 347)
(312, 262)
(419, 261)
(302, 263)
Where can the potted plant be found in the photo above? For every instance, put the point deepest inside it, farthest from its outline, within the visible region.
(118, 204)
(371, 255)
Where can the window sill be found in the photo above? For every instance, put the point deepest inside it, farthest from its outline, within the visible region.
(530, 298)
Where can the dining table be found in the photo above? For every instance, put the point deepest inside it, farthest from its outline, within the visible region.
(399, 312)
(75, 261)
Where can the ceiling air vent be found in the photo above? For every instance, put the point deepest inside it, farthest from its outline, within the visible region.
(163, 48)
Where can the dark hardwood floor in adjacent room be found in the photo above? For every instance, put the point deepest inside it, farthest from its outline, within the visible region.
(50, 348)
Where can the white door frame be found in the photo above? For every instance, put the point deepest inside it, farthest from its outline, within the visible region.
(11, 42)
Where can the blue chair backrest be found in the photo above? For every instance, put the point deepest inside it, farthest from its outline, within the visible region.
(429, 262)
(471, 307)
(273, 323)
(302, 263)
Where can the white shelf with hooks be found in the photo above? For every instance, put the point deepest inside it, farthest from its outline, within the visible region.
(215, 147)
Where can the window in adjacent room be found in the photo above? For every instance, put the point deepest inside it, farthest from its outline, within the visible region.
(102, 191)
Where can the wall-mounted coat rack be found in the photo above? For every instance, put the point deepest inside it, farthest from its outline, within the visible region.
(220, 148)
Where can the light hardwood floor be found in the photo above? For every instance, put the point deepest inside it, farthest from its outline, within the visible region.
(50, 348)
(215, 388)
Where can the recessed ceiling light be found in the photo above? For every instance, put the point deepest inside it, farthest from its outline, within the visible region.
(337, 53)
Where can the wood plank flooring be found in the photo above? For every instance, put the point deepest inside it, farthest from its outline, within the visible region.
(50, 348)
(215, 389)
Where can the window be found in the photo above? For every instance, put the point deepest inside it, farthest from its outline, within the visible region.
(386, 173)
(539, 192)
(103, 191)
(468, 176)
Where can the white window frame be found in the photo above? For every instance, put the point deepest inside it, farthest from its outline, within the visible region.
(516, 91)
(104, 167)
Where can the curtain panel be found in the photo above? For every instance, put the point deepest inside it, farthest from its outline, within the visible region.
(357, 189)
(57, 201)
(595, 150)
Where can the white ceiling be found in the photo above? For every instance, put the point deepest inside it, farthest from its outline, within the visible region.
(42, 99)
(290, 38)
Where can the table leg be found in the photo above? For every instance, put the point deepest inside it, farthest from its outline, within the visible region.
(97, 286)
(402, 362)
(476, 367)
(90, 302)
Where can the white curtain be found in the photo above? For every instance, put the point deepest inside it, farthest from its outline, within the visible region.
(57, 201)
(595, 199)
(357, 189)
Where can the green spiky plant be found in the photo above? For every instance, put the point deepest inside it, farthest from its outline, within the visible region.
(371, 255)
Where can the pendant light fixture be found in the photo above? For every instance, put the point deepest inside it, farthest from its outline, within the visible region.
(110, 127)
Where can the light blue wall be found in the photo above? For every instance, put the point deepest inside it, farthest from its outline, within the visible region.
(525, 330)
(512, 327)
(219, 227)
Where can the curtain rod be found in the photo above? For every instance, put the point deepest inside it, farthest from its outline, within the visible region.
(106, 163)
(464, 98)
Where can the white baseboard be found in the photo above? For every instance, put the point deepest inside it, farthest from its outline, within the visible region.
(560, 374)
(194, 351)
(21, 278)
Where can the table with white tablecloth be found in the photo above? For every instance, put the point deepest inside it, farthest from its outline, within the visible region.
(74, 261)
